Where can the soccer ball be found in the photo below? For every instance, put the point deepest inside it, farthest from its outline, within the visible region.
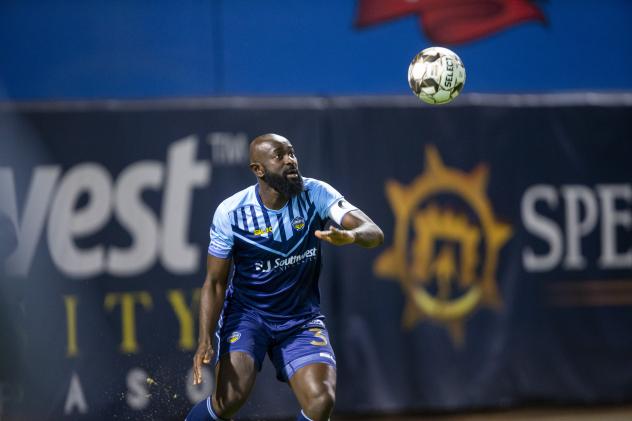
(436, 75)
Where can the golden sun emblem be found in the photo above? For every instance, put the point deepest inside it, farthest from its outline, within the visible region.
(445, 259)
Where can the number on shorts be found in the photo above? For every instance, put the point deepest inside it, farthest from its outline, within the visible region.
(319, 334)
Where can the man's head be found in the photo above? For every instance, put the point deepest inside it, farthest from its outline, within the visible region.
(273, 161)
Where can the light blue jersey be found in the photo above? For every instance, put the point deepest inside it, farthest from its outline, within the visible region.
(276, 255)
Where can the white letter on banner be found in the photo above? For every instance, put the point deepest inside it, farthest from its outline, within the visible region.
(184, 173)
(139, 220)
(137, 396)
(28, 227)
(542, 227)
(75, 398)
(65, 222)
(574, 196)
(610, 219)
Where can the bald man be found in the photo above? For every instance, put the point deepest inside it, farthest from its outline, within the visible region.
(271, 233)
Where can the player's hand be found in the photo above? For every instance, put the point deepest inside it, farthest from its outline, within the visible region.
(203, 355)
(337, 237)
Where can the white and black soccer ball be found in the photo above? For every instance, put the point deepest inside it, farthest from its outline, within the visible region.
(436, 75)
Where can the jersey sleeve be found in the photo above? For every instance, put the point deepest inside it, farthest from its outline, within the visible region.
(221, 234)
(330, 203)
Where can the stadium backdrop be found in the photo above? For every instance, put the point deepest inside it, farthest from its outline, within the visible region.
(504, 277)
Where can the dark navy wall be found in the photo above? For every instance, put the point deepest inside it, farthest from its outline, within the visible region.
(149, 49)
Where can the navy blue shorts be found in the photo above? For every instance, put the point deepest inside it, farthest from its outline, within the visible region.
(289, 350)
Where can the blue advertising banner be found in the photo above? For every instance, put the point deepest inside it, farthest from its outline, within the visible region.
(193, 48)
(505, 276)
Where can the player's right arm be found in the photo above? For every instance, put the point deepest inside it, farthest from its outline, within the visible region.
(213, 293)
(211, 304)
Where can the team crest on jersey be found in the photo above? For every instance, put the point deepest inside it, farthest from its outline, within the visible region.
(298, 223)
(234, 337)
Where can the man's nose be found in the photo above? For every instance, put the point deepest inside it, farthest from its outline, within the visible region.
(289, 159)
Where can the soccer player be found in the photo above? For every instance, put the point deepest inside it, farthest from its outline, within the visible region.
(271, 233)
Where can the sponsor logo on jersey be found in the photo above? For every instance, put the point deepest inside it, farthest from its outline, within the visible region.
(287, 262)
(298, 223)
(446, 245)
(234, 337)
(262, 231)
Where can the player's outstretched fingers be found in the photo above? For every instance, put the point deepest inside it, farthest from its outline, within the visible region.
(335, 236)
(197, 376)
(323, 235)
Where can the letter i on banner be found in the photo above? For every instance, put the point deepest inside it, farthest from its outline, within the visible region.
(70, 302)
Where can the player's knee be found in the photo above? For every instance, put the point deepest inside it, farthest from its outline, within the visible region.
(321, 400)
(227, 404)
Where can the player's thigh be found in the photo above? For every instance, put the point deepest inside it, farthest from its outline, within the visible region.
(235, 374)
(314, 382)
(241, 348)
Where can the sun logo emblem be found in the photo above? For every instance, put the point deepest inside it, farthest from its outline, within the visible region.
(445, 246)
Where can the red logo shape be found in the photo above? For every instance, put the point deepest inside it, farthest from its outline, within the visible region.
(451, 21)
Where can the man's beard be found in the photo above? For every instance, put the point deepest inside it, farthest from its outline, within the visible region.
(285, 186)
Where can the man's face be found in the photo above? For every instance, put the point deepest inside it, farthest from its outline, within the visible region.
(281, 169)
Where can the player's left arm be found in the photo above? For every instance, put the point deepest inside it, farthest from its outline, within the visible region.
(358, 229)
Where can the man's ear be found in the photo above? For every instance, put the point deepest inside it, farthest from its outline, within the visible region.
(257, 169)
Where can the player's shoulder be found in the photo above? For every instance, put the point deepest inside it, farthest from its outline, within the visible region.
(319, 187)
(238, 200)
(315, 184)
